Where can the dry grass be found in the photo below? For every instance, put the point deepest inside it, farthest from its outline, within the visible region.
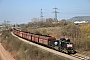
(23, 51)
(81, 43)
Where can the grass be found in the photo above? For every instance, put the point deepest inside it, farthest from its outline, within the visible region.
(23, 51)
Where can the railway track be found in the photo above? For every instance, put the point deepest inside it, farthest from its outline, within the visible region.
(81, 57)
(71, 56)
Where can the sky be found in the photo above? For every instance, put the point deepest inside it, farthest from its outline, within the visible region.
(22, 11)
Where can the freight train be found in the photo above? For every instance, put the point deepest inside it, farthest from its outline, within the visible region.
(62, 45)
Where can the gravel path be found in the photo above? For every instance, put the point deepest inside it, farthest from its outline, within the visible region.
(5, 55)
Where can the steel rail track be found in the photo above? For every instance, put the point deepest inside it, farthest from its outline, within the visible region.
(81, 57)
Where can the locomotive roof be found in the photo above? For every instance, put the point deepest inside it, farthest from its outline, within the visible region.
(64, 40)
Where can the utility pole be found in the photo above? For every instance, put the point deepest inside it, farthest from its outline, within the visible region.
(41, 15)
(55, 13)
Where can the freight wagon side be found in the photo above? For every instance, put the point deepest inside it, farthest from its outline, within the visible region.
(46, 39)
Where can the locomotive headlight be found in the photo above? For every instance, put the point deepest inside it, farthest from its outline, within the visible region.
(69, 46)
(55, 43)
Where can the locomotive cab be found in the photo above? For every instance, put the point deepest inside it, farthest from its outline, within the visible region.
(65, 46)
(68, 47)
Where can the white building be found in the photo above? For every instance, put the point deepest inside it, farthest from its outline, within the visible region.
(80, 22)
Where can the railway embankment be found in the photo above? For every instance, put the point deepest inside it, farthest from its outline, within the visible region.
(23, 51)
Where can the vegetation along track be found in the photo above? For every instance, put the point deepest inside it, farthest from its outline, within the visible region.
(71, 56)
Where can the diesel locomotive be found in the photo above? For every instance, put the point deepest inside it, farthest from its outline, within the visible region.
(63, 45)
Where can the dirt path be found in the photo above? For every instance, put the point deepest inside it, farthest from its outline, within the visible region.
(5, 55)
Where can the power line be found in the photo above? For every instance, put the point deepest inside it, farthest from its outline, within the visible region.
(41, 14)
(55, 13)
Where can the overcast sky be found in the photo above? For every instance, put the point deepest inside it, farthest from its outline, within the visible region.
(22, 11)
